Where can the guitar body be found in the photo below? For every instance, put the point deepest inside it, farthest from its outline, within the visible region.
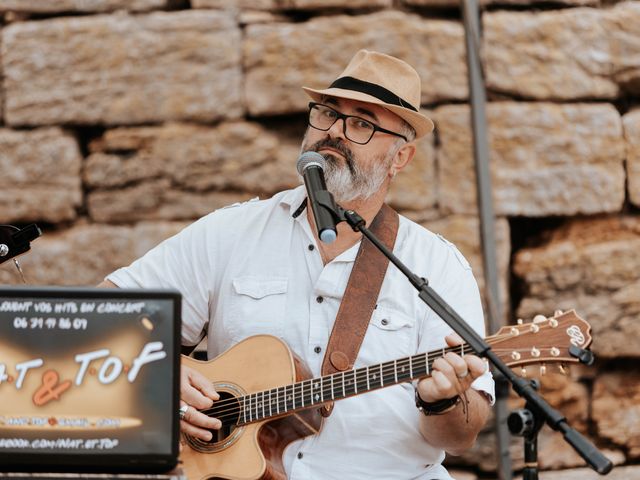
(268, 399)
(253, 451)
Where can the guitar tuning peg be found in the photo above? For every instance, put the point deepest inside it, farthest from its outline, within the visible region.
(557, 313)
(523, 372)
(543, 370)
(520, 321)
(563, 369)
(539, 319)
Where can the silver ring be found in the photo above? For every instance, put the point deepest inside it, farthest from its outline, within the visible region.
(182, 411)
(463, 375)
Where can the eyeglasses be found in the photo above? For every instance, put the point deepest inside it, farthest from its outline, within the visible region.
(356, 129)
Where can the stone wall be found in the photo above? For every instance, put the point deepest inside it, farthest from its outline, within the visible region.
(122, 121)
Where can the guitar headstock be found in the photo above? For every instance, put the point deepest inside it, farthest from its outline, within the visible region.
(563, 338)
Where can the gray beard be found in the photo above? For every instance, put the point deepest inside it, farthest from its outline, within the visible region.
(357, 184)
(349, 181)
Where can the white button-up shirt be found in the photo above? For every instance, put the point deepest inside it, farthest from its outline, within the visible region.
(254, 268)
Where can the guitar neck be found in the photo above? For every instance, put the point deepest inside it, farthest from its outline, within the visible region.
(558, 339)
(317, 391)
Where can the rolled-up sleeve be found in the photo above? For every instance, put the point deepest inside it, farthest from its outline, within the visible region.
(181, 263)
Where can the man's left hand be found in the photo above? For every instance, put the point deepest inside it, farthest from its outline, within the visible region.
(451, 374)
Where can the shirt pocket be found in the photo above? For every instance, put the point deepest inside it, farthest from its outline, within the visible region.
(257, 306)
(389, 336)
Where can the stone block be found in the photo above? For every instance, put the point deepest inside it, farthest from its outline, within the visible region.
(180, 171)
(249, 17)
(122, 69)
(85, 254)
(580, 53)
(616, 409)
(156, 200)
(623, 30)
(519, 3)
(351, 4)
(619, 473)
(590, 265)
(291, 4)
(280, 58)
(40, 175)
(60, 6)
(546, 159)
(236, 4)
(631, 123)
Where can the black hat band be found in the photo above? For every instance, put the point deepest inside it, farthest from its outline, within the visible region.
(381, 93)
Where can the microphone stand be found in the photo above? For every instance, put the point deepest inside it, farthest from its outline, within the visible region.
(539, 409)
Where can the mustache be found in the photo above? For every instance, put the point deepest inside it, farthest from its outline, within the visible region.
(336, 145)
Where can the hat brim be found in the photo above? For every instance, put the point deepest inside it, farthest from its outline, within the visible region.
(420, 123)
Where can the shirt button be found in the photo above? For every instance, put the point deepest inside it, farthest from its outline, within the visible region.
(384, 321)
(300, 455)
(311, 248)
(319, 299)
(317, 349)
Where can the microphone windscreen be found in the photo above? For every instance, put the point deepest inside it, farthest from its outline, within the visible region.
(310, 157)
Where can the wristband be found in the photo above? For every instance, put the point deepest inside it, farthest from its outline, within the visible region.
(436, 408)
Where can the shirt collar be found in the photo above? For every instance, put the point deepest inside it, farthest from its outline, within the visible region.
(294, 198)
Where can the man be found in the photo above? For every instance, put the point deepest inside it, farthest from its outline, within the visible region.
(260, 268)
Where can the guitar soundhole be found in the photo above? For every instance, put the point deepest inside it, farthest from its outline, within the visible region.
(227, 410)
(228, 415)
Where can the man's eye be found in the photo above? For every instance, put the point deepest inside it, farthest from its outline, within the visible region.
(364, 125)
(329, 114)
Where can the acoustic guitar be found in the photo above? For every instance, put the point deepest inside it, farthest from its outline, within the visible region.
(268, 398)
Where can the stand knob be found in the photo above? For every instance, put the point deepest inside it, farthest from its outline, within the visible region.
(520, 422)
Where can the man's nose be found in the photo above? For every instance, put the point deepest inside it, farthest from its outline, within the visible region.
(337, 129)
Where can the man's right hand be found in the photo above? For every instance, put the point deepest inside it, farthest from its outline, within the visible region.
(197, 391)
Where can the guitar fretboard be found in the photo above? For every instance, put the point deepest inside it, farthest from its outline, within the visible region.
(317, 391)
(546, 341)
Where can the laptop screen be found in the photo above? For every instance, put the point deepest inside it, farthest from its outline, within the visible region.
(89, 379)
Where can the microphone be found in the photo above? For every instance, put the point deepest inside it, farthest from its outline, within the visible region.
(311, 166)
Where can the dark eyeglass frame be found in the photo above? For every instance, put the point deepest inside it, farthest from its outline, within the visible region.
(344, 118)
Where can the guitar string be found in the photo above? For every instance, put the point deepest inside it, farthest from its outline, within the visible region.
(390, 363)
(234, 402)
(388, 370)
(259, 408)
(235, 412)
(456, 349)
(361, 383)
(297, 389)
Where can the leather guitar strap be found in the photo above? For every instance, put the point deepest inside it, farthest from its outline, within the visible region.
(360, 298)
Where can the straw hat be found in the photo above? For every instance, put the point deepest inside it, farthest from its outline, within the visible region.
(382, 80)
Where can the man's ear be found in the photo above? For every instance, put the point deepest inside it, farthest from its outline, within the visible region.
(402, 158)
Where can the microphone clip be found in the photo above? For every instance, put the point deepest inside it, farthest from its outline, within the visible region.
(325, 199)
(15, 241)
